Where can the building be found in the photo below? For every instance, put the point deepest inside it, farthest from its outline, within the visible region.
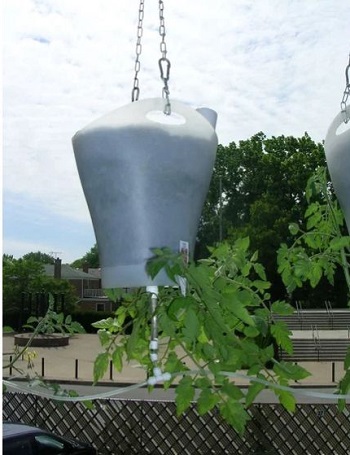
(86, 283)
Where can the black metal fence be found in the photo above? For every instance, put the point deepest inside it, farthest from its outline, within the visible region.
(140, 427)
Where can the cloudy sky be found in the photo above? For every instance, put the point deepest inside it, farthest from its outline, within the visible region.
(276, 66)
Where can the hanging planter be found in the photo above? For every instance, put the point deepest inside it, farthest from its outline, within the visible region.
(337, 149)
(145, 176)
(145, 169)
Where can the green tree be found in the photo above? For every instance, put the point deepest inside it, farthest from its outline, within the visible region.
(38, 256)
(91, 259)
(257, 190)
(24, 277)
(18, 276)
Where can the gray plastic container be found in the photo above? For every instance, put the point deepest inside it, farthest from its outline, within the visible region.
(337, 149)
(145, 177)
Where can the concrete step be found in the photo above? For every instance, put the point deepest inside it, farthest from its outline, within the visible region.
(317, 350)
(322, 319)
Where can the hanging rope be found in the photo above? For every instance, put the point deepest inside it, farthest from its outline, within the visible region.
(343, 104)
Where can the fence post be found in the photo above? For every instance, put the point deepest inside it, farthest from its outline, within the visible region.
(333, 371)
(111, 370)
(42, 366)
(76, 368)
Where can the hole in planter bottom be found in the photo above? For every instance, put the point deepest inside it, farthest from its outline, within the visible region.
(53, 340)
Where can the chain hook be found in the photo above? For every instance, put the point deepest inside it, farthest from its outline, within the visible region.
(164, 66)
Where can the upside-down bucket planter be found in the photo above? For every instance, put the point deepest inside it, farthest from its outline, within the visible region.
(145, 176)
(337, 149)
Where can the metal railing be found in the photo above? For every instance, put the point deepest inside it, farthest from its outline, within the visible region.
(299, 312)
(94, 293)
(329, 310)
(316, 339)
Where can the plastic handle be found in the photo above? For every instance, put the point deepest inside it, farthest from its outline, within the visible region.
(339, 119)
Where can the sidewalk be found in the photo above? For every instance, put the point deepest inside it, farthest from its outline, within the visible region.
(75, 363)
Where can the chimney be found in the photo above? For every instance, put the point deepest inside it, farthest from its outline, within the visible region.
(85, 267)
(57, 269)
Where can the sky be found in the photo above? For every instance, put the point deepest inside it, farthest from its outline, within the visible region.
(276, 66)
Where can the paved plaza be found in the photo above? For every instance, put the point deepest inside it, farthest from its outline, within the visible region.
(75, 363)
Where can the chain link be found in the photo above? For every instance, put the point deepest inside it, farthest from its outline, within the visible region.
(343, 104)
(136, 88)
(164, 62)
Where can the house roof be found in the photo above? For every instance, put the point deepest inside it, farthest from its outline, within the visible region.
(69, 273)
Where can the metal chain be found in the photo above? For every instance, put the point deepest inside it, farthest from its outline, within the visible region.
(164, 62)
(346, 94)
(136, 89)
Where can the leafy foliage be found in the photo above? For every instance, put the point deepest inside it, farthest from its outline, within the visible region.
(53, 322)
(320, 249)
(24, 277)
(38, 256)
(224, 323)
(257, 190)
(91, 259)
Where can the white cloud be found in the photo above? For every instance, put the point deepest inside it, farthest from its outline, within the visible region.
(275, 66)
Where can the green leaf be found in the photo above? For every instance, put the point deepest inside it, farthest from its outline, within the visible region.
(282, 308)
(77, 327)
(59, 318)
(281, 333)
(290, 370)
(103, 324)
(89, 404)
(251, 332)
(232, 391)
(315, 274)
(253, 391)
(68, 319)
(191, 328)
(260, 270)
(117, 359)
(338, 243)
(184, 395)
(235, 414)
(113, 294)
(173, 364)
(287, 400)
(207, 400)
(104, 336)
(293, 228)
(100, 366)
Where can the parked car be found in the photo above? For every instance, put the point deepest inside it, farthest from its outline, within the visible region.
(20, 439)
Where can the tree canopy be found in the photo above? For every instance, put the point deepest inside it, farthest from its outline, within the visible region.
(91, 259)
(38, 256)
(25, 276)
(257, 190)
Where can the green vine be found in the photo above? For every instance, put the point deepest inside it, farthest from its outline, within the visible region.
(225, 323)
